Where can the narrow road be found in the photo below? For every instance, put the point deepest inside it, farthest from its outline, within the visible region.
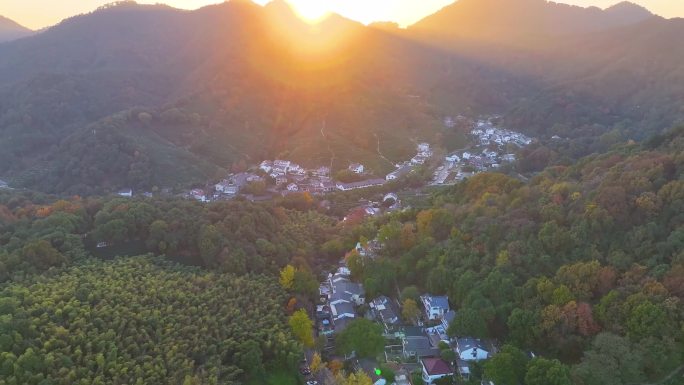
(332, 153)
(378, 150)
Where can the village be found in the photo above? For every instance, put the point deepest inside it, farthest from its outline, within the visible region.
(491, 148)
(273, 178)
(418, 350)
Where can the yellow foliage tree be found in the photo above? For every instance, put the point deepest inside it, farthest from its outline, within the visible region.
(316, 363)
(287, 275)
(335, 366)
(358, 378)
(409, 310)
(302, 327)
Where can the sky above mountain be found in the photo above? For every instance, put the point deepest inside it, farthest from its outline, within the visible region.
(38, 14)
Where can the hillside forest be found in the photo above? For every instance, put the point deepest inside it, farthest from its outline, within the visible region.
(583, 264)
(142, 96)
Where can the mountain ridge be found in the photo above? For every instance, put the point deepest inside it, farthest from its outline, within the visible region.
(249, 83)
(11, 30)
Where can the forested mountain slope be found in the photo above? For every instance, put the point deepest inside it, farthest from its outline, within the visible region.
(596, 70)
(237, 83)
(584, 263)
(257, 91)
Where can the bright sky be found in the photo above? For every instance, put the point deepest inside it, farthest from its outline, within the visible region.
(37, 14)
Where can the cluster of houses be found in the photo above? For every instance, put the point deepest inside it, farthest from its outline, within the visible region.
(489, 152)
(424, 343)
(3, 184)
(487, 134)
(409, 345)
(424, 153)
(340, 299)
(284, 177)
(291, 177)
(235, 182)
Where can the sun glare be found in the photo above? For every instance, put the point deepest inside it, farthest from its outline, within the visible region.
(311, 11)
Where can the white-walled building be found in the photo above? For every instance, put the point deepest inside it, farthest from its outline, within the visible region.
(435, 306)
(434, 369)
(471, 349)
(357, 168)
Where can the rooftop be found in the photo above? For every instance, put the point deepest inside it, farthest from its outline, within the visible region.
(449, 317)
(342, 308)
(437, 301)
(436, 366)
(469, 343)
(414, 343)
(362, 184)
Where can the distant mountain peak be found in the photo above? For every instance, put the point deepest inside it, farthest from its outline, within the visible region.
(11, 30)
(629, 11)
(9, 23)
(628, 5)
(517, 20)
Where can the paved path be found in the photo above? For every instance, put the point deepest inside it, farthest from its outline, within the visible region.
(379, 152)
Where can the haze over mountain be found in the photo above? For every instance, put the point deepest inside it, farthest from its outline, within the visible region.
(614, 68)
(11, 30)
(523, 22)
(149, 95)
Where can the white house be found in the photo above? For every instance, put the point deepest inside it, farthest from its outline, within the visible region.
(362, 184)
(280, 166)
(423, 147)
(292, 187)
(418, 159)
(434, 369)
(279, 163)
(399, 173)
(199, 195)
(372, 211)
(266, 166)
(453, 158)
(127, 193)
(279, 180)
(471, 349)
(294, 168)
(435, 306)
(227, 187)
(356, 168)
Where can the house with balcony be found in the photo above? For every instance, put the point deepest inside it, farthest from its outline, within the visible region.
(435, 306)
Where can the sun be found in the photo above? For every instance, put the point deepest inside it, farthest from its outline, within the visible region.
(311, 11)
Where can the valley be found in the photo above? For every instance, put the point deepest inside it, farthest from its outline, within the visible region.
(267, 193)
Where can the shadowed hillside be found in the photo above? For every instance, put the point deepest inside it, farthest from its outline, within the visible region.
(260, 83)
